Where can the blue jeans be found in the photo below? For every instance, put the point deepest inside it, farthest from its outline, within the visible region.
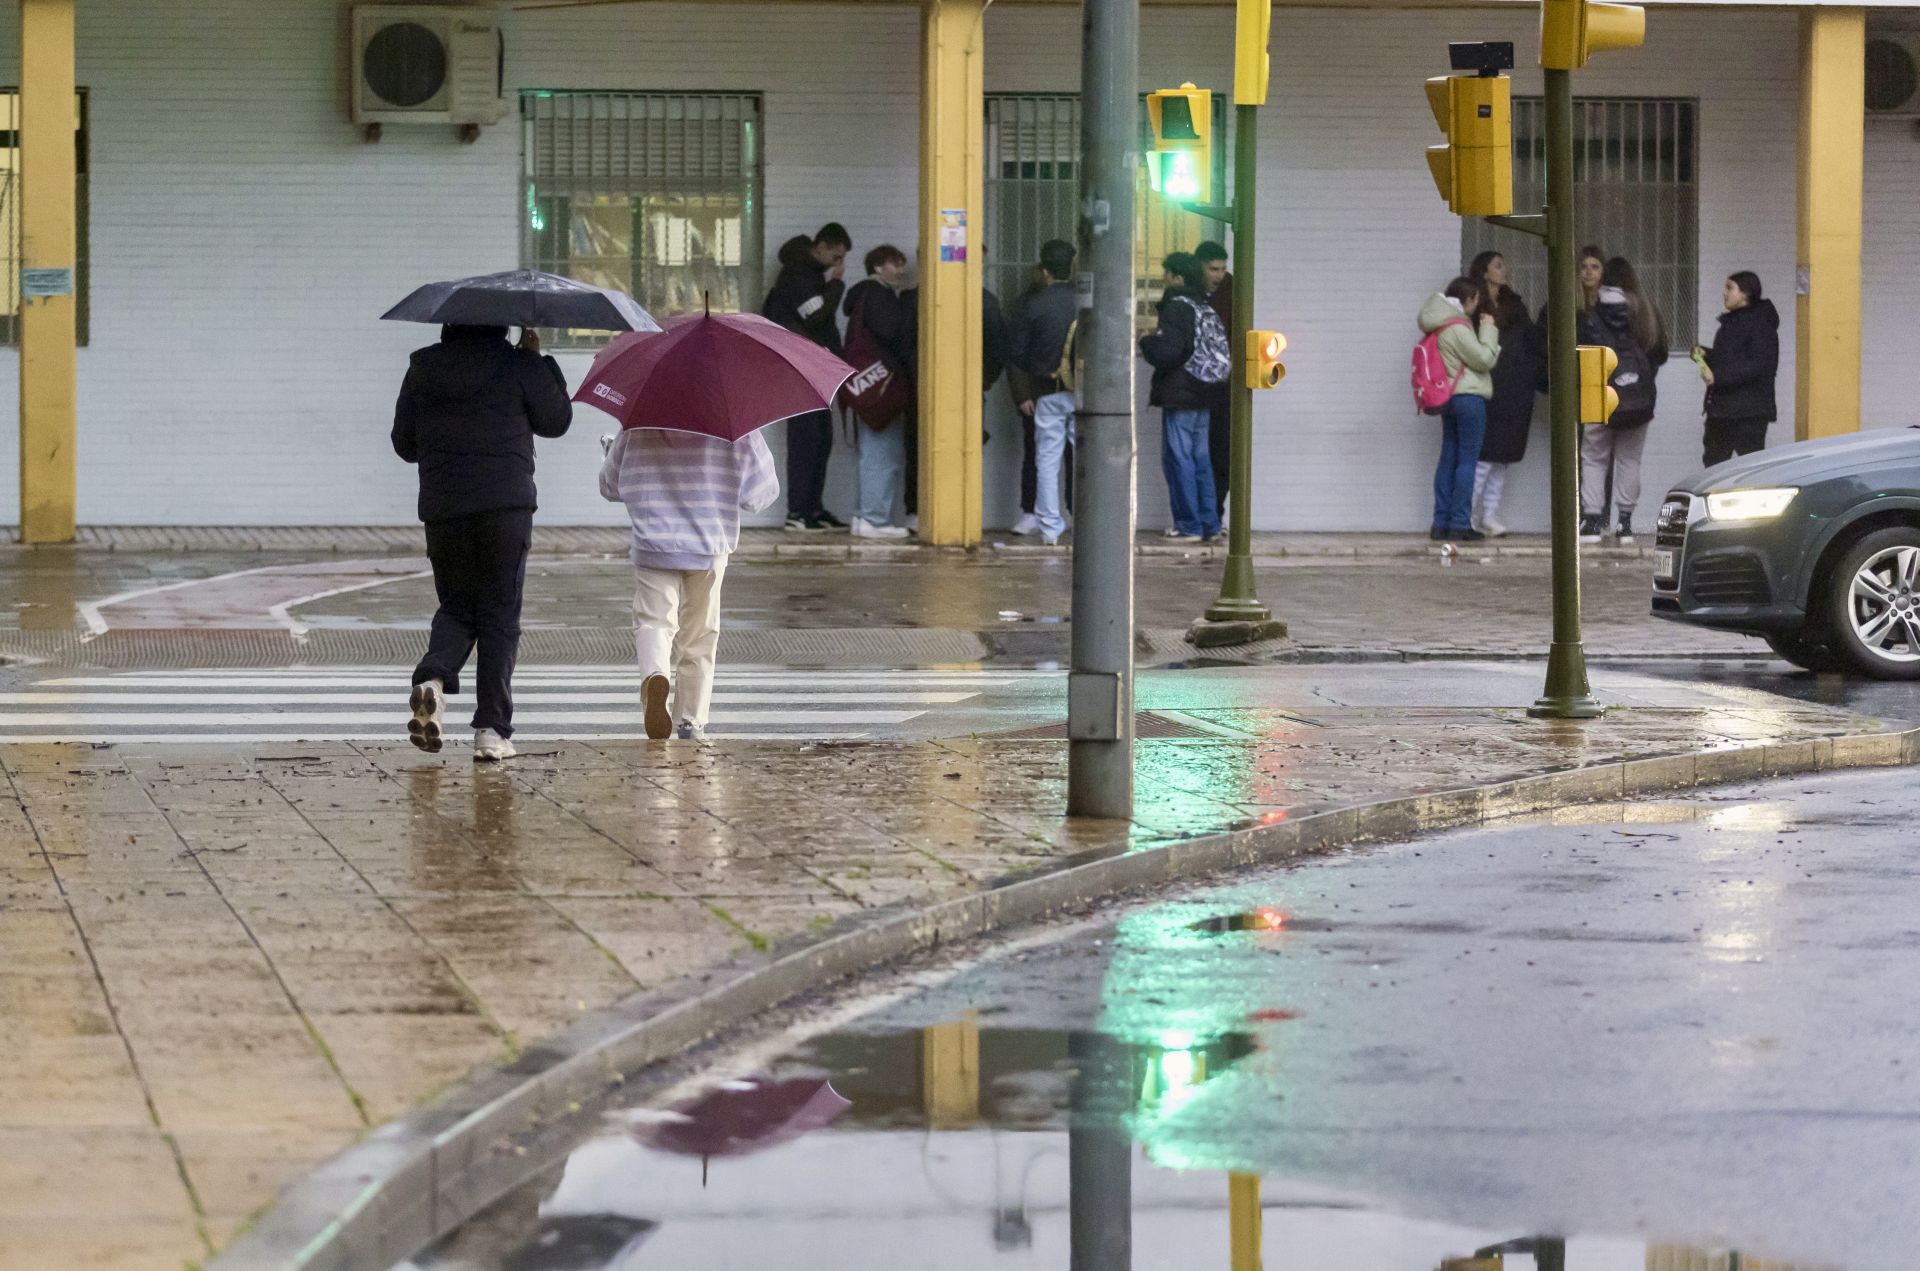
(1053, 417)
(883, 465)
(1189, 471)
(1464, 424)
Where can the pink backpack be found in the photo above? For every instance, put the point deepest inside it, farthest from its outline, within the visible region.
(1431, 387)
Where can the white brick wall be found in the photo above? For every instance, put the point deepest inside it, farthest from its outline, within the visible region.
(1889, 371)
(244, 239)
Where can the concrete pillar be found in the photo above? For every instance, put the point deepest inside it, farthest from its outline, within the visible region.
(952, 123)
(49, 256)
(1832, 163)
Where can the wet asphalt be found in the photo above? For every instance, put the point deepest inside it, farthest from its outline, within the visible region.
(1661, 1032)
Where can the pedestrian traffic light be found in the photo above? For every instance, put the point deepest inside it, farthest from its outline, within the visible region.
(1598, 400)
(1182, 159)
(1263, 358)
(1254, 22)
(1572, 29)
(1474, 170)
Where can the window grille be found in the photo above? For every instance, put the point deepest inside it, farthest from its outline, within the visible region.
(655, 194)
(10, 247)
(1033, 192)
(1636, 194)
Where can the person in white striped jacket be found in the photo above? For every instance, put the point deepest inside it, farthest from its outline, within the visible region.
(684, 493)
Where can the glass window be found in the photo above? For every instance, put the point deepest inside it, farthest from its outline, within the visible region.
(10, 215)
(654, 194)
(1636, 194)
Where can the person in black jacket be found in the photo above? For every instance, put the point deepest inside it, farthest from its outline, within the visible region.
(1628, 323)
(806, 298)
(1515, 378)
(468, 412)
(1739, 371)
(874, 310)
(1188, 353)
(1042, 340)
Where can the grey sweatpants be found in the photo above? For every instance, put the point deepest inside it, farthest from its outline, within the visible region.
(1619, 449)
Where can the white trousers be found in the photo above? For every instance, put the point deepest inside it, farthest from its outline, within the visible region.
(1489, 483)
(676, 631)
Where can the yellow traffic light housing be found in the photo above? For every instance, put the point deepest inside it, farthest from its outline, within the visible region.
(1570, 30)
(1253, 23)
(1474, 170)
(1264, 369)
(1182, 159)
(1598, 400)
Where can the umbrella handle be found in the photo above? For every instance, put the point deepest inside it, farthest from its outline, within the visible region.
(706, 298)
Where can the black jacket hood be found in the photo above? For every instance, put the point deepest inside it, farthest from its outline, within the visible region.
(1759, 312)
(459, 369)
(797, 253)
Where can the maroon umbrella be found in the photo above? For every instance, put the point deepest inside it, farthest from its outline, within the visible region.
(724, 375)
(739, 1117)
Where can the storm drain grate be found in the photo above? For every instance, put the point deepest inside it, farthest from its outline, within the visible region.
(1147, 726)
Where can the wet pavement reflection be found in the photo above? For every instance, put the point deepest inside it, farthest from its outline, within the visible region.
(1661, 1036)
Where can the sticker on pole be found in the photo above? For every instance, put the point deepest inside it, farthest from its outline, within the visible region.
(38, 284)
(953, 235)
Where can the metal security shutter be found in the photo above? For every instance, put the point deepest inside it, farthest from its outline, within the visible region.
(656, 194)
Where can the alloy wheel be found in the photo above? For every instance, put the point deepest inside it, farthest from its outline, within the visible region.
(1883, 604)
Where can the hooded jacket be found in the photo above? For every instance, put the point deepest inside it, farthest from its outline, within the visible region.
(1167, 349)
(1515, 376)
(468, 412)
(1745, 358)
(1614, 322)
(1470, 349)
(883, 313)
(803, 298)
(1040, 339)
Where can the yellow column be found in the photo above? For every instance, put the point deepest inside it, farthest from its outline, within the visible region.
(47, 331)
(1243, 1222)
(952, 110)
(950, 1061)
(1832, 161)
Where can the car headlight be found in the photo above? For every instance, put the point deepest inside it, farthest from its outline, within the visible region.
(1750, 505)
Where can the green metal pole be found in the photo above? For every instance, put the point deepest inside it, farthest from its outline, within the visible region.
(1567, 695)
(1238, 604)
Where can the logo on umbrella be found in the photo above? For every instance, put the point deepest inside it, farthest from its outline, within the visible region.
(617, 398)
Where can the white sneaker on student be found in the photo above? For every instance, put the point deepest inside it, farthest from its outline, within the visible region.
(687, 730)
(1492, 528)
(863, 528)
(489, 746)
(1026, 525)
(426, 701)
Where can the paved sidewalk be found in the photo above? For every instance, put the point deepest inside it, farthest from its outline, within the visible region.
(224, 964)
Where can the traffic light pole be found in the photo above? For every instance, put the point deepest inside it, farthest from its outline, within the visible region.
(1238, 617)
(1567, 694)
(1100, 678)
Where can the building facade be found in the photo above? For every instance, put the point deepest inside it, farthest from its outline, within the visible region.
(240, 236)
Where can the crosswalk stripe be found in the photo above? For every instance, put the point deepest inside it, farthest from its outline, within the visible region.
(389, 698)
(402, 675)
(631, 718)
(453, 740)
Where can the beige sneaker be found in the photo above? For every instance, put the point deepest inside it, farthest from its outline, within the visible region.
(489, 746)
(653, 696)
(427, 701)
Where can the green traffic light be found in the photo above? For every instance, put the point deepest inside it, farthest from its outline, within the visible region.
(1182, 179)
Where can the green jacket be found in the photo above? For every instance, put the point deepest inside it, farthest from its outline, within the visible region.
(1468, 349)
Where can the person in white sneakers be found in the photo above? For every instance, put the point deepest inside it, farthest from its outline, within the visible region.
(684, 493)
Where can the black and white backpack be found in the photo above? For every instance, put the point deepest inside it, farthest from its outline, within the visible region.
(1210, 362)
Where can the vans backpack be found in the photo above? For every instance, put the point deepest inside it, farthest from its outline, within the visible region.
(1432, 390)
(1210, 362)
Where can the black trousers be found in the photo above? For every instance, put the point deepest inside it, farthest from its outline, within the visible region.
(1030, 470)
(1729, 437)
(479, 571)
(1220, 440)
(809, 443)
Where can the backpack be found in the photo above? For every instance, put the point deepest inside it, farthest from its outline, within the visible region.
(1067, 373)
(1633, 381)
(1210, 362)
(1432, 390)
(876, 392)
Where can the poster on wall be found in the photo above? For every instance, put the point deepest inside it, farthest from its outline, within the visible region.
(953, 235)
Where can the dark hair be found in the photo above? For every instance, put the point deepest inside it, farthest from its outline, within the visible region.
(833, 234)
(1649, 332)
(1748, 282)
(1187, 268)
(1056, 257)
(471, 331)
(1590, 252)
(1463, 289)
(1209, 251)
(885, 254)
(1507, 308)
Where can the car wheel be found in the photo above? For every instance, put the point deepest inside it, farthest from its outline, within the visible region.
(1808, 652)
(1873, 604)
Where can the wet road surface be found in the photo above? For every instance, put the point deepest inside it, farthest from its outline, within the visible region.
(1675, 1034)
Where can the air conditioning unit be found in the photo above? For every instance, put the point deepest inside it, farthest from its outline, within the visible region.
(1893, 74)
(428, 64)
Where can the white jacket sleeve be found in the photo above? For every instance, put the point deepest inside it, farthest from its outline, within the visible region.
(610, 468)
(759, 487)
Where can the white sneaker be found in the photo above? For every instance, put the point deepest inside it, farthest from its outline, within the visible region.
(913, 523)
(427, 701)
(1026, 525)
(489, 746)
(687, 730)
(1177, 537)
(1050, 540)
(1492, 528)
(863, 528)
(653, 701)
(1171, 532)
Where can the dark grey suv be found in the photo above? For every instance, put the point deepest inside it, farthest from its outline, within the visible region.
(1815, 546)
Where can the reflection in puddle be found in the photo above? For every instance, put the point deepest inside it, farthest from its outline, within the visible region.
(953, 1146)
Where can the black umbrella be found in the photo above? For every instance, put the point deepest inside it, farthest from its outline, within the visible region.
(523, 298)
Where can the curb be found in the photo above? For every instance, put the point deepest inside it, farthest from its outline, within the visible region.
(413, 1180)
